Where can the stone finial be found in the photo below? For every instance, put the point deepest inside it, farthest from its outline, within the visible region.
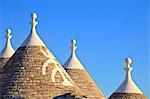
(7, 51)
(33, 23)
(128, 62)
(73, 62)
(73, 42)
(34, 16)
(8, 36)
(8, 31)
(33, 39)
(73, 47)
(128, 85)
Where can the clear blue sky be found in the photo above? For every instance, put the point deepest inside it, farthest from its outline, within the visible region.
(107, 31)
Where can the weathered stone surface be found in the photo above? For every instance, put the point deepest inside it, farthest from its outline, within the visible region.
(24, 77)
(3, 61)
(85, 83)
(127, 96)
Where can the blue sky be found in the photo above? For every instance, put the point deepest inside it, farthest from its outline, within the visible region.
(107, 31)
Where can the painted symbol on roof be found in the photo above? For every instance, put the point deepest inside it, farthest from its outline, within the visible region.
(58, 68)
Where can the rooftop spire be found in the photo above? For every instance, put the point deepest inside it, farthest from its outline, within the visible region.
(128, 68)
(33, 39)
(128, 86)
(73, 47)
(33, 23)
(73, 62)
(8, 51)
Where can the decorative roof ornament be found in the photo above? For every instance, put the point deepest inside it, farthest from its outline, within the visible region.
(8, 51)
(33, 39)
(128, 85)
(80, 76)
(73, 62)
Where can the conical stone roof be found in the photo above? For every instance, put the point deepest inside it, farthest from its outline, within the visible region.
(34, 73)
(81, 78)
(128, 89)
(7, 51)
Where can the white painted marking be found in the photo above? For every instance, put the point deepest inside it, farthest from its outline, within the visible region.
(57, 68)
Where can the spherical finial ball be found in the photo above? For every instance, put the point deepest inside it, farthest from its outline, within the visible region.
(33, 15)
(128, 61)
(8, 31)
(73, 41)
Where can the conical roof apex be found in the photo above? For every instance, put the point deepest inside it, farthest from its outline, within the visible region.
(81, 78)
(73, 62)
(128, 85)
(8, 50)
(33, 38)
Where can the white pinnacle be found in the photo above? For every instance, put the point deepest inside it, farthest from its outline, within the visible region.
(73, 62)
(128, 86)
(8, 51)
(33, 39)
